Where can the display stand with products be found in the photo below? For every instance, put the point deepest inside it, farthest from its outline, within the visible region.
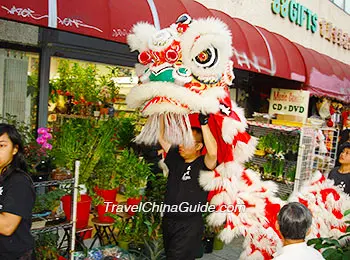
(290, 155)
(50, 228)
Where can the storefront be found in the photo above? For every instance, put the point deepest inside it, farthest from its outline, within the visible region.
(283, 54)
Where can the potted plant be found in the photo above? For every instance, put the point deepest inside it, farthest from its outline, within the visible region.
(260, 148)
(105, 181)
(126, 131)
(290, 176)
(218, 243)
(46, 246)
(49, 201)
(125, 230)
(334, 248)
(134, 172)
(87, 141)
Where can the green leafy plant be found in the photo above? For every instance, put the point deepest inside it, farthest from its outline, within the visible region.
(49, 200)
(86, 140)
(134, 172)
(152, 250)
(46, 246)
(126, 131)
(333, 248)
(290, 176)
(76, 80)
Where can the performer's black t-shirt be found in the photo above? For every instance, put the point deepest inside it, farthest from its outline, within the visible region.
(183, 184)
(340, 179)
(17, 197)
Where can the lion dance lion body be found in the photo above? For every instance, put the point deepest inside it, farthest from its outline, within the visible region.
(186, 69)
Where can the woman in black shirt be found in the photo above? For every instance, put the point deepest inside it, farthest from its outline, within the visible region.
(17, 198)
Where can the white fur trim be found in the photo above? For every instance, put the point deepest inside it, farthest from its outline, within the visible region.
(162, 39)
(208, 181)
(230, 129)
(240, 112)
(221, 198)
(227, 234)
(141, 33)
(170, 108)
(138, 95)
(244, 152)
(216, 219)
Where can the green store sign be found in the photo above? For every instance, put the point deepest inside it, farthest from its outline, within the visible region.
(296, 13)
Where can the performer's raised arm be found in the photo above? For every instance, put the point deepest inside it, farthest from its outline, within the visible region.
(210, 158)
(163, 143)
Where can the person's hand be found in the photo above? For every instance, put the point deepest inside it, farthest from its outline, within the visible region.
(203, 119)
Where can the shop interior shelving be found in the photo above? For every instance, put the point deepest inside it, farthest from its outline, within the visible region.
(67, 225)
(258, 129)
(310, 157)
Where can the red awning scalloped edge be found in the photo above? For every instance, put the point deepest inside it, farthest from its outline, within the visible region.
(255, 49)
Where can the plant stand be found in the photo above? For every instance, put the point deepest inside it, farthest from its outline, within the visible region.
(79, 241)
(104, 230)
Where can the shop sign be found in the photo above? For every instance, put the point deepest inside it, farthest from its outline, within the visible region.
(289, 102)
(296, 12)
(334, 34)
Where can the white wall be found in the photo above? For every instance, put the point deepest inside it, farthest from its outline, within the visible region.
(259, 12)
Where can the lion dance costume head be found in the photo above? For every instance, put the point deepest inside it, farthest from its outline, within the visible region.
(186, 69)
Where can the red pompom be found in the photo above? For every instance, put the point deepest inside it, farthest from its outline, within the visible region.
(171, 56)
(329, 123)
(144, 58)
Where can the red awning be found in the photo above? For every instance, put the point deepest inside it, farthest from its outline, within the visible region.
(32, 11)
(255, 49)
(289, 63)
(325, 75)
(106, 19)
(258, 50)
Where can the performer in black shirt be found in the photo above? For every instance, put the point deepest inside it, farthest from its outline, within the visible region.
(17, 198)
(182, 231)
(341, 174)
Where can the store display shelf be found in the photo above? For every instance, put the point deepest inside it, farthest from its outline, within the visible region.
(271, 126)
(53, 182)
(284, 188)
(50, 228)
(260, 160)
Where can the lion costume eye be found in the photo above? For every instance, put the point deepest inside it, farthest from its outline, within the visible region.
(207, 58)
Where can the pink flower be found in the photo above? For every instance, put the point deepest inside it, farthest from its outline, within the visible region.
(41, 140)
(46, 136)
(47, 146)
(42, 130)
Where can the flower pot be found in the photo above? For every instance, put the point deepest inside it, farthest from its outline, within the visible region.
(83, 209)
(208, 243)
(103, 111)
(259, 152)
(96, 113)
(131, 202)
(218, 244)
(107, 195)
(102, 210)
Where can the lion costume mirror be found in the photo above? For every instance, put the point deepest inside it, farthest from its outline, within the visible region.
(186, 69)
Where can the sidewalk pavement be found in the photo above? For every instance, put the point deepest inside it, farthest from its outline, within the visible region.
(231, 251)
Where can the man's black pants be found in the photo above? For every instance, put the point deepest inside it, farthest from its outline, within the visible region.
(182, 237)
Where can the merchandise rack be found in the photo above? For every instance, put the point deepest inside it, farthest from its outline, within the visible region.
(45, 229)
(66, 225)
(53, 183)
(310, 158)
